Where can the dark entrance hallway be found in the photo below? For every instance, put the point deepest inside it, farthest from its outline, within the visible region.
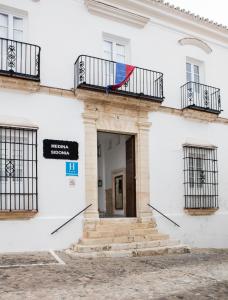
(116, 175)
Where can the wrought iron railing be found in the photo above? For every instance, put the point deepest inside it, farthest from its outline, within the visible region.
(68, 221)
(200, 97)
(200, 177)
(97, 74)
(163, 215)
(19, 59)
(18, 169)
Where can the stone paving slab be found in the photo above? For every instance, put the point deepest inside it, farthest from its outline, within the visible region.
(17, 259)
(202, 274)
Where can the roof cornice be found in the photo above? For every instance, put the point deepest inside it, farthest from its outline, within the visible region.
(116, 13)
(163, 12)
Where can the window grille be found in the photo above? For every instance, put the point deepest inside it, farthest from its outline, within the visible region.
(200, 177)
(18, 169)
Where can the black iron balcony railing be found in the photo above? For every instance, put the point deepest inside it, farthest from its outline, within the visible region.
(19, 59)
(200, 97)
(97, 74)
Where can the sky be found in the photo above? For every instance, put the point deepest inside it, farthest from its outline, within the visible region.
(216, 10)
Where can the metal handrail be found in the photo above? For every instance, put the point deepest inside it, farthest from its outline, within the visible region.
(96, 74)
(200, 96)
(19, 59)
(163, 215)
(71, 219)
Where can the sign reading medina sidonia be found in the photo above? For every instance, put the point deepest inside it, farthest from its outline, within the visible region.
(60, 149)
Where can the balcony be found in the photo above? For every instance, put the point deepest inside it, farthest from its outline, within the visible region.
(18, 59)
(97, 74)
(201, 97)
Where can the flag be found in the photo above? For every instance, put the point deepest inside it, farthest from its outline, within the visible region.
(123, 73)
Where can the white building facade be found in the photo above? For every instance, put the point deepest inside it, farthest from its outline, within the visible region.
(56, 60)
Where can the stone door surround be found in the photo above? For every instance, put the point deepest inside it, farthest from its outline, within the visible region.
(117, 115)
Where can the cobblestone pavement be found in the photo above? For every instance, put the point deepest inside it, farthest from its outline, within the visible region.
(203, 274)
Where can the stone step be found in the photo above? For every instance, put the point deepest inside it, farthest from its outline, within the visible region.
(107, 240)
(177, 249)
(119, 232)
(111, 227)
(124, 246)
(123, 239)
(151, 237)
(118, 221)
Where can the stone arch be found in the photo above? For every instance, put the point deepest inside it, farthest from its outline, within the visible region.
(197, 43)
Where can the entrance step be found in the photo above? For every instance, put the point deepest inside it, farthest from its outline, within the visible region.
(123, 246)
(124, 237)
(176, 249)
(111, 232)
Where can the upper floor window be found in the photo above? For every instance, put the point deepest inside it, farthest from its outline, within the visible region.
(192, 72)
(114, 51)
(11, 27)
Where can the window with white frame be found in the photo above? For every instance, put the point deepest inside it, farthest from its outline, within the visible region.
(194, 75)
(114, 51)
(192, 72)
(11, 27)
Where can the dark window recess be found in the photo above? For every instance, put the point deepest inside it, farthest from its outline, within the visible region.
(18, 59)
(200, 177)
(18, 169)
(96, 74)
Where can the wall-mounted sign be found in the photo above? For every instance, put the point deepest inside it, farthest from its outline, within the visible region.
(60, 149)
(71, 168)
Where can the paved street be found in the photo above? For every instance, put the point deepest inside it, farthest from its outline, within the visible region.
(203, 274)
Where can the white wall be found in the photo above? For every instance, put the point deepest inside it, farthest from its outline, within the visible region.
(65, 29)
(57, 118)
(168, 134)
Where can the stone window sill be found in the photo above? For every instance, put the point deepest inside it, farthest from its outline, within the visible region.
(17, 215)
(200, 211)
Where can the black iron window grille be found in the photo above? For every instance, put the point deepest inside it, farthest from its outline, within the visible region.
(18, 169)
(19, 59)
(199, 96)
(200, 177)
(97, 74)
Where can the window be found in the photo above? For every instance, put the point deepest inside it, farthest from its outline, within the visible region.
(200, 177)
(194, 76)
(11, 27)
(18, 169)
(114, 51)
(192, 72)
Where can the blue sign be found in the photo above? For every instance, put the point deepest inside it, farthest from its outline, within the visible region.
(71, 168)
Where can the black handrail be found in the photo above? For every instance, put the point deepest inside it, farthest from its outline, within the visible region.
(71, 219)
(163, 215)
(97, 74)
(19, 59)
(200, 96)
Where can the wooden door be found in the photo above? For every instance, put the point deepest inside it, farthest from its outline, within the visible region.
(130, 178)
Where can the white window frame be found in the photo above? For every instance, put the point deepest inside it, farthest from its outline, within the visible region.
(17, 13)
(115, 40)
(195, 62)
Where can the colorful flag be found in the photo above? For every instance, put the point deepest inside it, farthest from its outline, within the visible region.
(123, 73)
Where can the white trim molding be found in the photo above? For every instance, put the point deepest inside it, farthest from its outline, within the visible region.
(197, 43)
(13, 121)
(116, 13)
